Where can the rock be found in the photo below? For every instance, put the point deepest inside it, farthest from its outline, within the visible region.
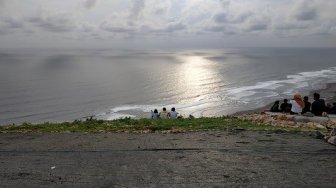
(332, 140)
(282, 117)
(268, 121)
(330, 124)
(310, 125)
(301, 119)
(319, 126)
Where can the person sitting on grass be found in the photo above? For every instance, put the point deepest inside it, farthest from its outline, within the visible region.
(307, 105)
(163, 114)
(297, 104)
(172, 114)
(155, 114)
(275, 107)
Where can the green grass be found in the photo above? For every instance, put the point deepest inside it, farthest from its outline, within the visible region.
(134, 125)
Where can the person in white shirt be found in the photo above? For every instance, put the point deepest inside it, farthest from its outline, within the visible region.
(172, 114)
(297, 104)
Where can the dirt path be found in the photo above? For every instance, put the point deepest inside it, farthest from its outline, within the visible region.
(199, 159)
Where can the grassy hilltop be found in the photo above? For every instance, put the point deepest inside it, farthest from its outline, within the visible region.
(146, 125)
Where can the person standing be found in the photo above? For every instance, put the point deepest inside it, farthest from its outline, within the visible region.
(307, 105)
(318, 106)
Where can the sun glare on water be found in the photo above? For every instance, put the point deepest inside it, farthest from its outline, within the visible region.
(197, 76)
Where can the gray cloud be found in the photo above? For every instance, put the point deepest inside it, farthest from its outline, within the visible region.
(115, 29)
(159, 7)
(3, 31)
(179, 26)
(308, 14)
(234, 19)
(134, 20)
(13, 23)
(257, 27)
(226, 30)
(170, 28)
(9, 25)
(220, 18)
(87, 28)
(53, 23)
(216, 28)
(225, 3)
(119, 28)
(89, 3)
(137, 7)
(291, 26)
(231, 22)
(306, 11)
(144, 30)
(160, 11)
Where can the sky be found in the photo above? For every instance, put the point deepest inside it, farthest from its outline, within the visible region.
(142, 24)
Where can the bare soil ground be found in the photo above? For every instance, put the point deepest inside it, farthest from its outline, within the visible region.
(194, 159)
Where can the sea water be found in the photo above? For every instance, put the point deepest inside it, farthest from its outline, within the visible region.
(39, 85)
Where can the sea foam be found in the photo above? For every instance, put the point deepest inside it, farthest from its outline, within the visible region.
(230, 100)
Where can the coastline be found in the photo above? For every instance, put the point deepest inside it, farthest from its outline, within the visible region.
(328, 94)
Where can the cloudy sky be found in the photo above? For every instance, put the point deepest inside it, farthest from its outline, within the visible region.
(167, 23)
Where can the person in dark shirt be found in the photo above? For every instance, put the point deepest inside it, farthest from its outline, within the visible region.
(275, 107)
(318, 106)
(328, 108)
(285, 106)
(307, 105)
(333, 109)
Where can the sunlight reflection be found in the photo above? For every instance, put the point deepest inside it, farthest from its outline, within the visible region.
(197, 77)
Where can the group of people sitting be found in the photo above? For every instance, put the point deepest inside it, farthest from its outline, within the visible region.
(164, 114)
(299, 106)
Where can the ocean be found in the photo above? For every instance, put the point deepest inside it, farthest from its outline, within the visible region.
(65, 85)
